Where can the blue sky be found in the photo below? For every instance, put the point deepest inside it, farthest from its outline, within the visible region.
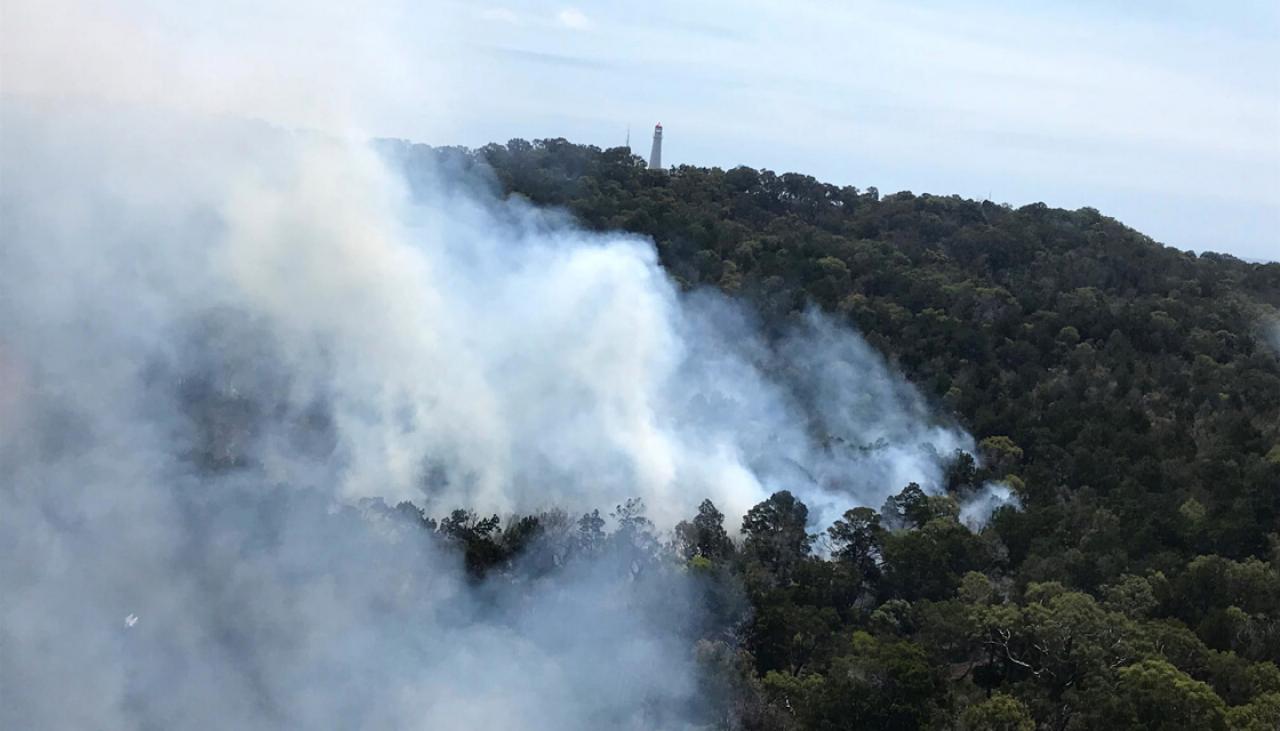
(1165, 115)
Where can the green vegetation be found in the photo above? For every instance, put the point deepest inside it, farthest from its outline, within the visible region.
(1124, 388)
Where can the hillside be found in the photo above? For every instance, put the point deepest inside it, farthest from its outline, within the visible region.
(1132, 376)
(285, 447)
(1125, 388)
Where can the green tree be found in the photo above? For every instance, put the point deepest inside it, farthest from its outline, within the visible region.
(856, 538)
(1000, 712)
(1261, 714)
(705, 535)
(909, 507)
(1160, 697)
(776, 533)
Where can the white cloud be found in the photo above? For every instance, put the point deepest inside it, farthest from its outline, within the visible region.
(573, 18)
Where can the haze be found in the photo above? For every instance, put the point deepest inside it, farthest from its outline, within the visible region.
(1164, 115)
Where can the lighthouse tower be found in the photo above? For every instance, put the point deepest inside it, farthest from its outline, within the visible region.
(655, 156)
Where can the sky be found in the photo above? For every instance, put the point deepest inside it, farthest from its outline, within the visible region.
(1165, 115)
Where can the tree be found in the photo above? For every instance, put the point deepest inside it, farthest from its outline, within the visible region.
(909, 507)
(590, 534)
(1261, 714)
(705, 536)
(476, 535)
(1000, 712)
(1160, 697)
(776, 533)
(1123, 388)
(875, 685)
(856, 538)
(962, 471)
(1132, 596)
(928, 562)
(634, 540)
(1000, 454)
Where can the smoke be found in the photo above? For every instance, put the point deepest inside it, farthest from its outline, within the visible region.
(223, 346)
(1271, 334)
(377, 66)
(979, 507)
(218, 340)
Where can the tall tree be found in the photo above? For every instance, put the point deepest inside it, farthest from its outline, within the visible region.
(705, 535)
(776, 533)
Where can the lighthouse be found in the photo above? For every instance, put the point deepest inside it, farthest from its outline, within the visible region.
(655, 156)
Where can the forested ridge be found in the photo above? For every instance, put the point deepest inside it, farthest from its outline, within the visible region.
(1127, 390)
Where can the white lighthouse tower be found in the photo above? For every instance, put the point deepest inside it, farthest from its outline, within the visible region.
(655, 156)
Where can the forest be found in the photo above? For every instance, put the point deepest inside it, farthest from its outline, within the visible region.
(1128, 391)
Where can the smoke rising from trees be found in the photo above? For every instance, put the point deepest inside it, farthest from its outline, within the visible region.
(221, 340)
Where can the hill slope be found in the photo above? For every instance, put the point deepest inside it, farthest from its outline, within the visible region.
(1127, 389)
(1132, 376)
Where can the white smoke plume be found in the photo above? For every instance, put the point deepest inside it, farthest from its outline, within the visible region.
(979, 507)
(1271, 334)
(217, 338)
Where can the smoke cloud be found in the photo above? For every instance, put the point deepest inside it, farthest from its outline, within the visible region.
(979, 507)
(1271, 334)
(219, 341)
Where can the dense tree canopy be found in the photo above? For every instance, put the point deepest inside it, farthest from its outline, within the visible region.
(1125, 389)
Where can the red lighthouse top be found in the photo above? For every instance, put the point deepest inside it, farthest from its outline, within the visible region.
(658, 125)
